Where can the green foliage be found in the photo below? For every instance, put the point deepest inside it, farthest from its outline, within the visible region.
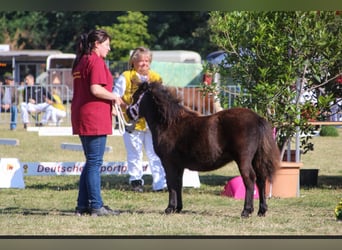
(180, 31)
(60, 29)
(21, 30)
(130, 32)
(48, 30)
(328, 131)
(338, 210)
(275, 57)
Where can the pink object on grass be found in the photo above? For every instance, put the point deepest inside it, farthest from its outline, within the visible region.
(236, 189)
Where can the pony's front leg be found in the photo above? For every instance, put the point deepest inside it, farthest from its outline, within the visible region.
(171, 208)
(175, 202)
(174, 184)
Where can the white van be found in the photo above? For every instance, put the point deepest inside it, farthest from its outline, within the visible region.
(178, 56)
(178, 67)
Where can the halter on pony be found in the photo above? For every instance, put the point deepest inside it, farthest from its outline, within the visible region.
(133, 109)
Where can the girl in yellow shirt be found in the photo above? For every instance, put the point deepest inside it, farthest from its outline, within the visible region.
(140, 136)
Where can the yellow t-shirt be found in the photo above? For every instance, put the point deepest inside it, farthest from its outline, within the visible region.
(58, 104)
(132, 84)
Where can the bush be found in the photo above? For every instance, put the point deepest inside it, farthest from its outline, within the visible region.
(328, 131)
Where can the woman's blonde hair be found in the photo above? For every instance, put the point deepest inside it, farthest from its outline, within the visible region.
(136, 53)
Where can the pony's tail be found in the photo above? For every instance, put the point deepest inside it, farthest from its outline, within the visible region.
(267, 158)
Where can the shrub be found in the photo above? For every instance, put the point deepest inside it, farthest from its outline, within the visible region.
(328, 131)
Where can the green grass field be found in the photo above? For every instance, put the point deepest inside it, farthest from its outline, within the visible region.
(46, 205)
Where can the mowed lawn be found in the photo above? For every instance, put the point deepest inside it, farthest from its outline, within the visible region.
(45, 207)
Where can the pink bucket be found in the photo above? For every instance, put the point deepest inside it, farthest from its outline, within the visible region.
(236, 189)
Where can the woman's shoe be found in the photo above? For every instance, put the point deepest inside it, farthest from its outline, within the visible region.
(81, 211)
(103, 211)
(113, 212)
(137, 186)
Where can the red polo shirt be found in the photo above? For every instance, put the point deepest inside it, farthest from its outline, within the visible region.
(91, 115)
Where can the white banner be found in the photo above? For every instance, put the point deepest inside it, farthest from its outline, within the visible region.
(74, 168)
(12, 171)
(11, 175)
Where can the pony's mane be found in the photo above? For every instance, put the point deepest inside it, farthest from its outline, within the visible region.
(169, 103)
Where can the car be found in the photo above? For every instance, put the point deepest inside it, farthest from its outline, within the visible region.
(217, 58)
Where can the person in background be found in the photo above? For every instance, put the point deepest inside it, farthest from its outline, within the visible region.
(9, 99)
(91, 116)
(36, 99)
(56, 111)
(140, 136)
(116, 77)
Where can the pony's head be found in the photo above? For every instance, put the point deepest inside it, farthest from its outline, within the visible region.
(133, 109)
(155, 100)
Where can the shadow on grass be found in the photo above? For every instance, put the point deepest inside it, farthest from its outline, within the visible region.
(215, 180)
(120, 182)
(108, 182)
(325, 181)
(72, 182)
(65, 212)
(53, 186)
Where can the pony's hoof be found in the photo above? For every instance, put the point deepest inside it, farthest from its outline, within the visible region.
(262, 214)
(169, 210)
(178, 210)
(245, 214)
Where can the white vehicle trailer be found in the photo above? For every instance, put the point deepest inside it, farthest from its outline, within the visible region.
(59, 71)
(176, 56)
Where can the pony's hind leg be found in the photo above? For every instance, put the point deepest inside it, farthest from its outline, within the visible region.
(248, 207)
(261, 184)
(248, 176)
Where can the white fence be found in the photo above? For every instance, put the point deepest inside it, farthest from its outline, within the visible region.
(192, 97)
(62, 90)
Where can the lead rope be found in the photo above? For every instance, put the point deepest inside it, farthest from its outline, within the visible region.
(121, 119)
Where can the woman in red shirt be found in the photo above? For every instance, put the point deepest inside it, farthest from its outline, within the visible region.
(91, 116)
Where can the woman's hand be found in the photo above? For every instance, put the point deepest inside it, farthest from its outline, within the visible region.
(114, 111)
(117, 100)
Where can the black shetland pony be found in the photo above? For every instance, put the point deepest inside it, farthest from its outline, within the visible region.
(184, 139)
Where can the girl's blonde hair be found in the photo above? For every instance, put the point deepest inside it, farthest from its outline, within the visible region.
(136, 53)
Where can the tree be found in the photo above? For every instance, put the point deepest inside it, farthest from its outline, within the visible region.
(129, 32)
(22, 30)
(180, 31)
(49, 30)
(275, 57)
(59, 30)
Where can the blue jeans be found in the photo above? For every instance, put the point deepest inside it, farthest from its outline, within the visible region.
(14, 116)
(89, 194)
